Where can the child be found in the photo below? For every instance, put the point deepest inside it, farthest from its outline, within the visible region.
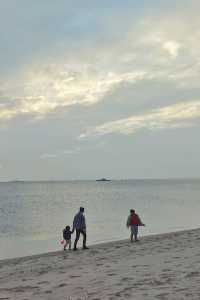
(133, 222)
(67, 237)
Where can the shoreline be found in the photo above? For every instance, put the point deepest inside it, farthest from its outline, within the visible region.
(161, 266)
(95, 245)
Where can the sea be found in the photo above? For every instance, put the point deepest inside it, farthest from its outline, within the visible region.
(33, 214)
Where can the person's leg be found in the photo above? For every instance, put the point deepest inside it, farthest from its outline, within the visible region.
(84, 239)
(77, 238)
(70, 244)
(65, 245)
(132, 233)
(136, 233)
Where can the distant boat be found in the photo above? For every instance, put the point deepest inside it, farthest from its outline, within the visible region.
(103, 179)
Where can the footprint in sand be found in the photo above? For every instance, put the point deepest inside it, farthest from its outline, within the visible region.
(126, 278)
(99, 265)
(180, 290)
(74, 276)
(101, 259)
(192, 274)
(118, 294)
(48, 292)
(163, 296)
(21, 289)
(42, 273)
(62, 285)
(94, 252)
(42, 282)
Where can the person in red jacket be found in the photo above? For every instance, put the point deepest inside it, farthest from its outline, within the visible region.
(133, 222)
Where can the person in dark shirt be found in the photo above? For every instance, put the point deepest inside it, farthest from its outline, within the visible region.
(79, 225)
(67, 237)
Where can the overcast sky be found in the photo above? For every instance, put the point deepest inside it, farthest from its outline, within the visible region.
(93, 89)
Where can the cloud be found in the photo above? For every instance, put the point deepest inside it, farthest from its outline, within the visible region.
(174, 116)
(161, 46)
(172, 47)
(48, 91)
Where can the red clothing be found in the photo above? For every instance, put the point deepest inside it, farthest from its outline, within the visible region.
(134, 220)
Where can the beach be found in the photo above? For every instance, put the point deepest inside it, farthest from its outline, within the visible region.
(164, 266)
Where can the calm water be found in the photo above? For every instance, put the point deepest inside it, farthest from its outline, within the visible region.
(32, 215)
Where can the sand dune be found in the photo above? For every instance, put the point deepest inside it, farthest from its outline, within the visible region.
(158, 267)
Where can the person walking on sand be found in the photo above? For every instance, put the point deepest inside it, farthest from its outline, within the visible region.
(133, 222)
(80, 225)
(67, 237)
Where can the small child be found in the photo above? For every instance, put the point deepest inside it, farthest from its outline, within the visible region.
(67, 237)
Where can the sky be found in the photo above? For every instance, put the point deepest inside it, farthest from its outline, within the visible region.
(92, 89)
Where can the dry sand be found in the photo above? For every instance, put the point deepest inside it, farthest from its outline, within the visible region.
(158, 267)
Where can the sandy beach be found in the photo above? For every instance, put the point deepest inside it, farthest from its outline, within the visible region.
(163, 266)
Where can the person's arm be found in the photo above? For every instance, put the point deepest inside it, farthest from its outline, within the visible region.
(128, 221)
(83, 222)
(140, 223)
(74, 224)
